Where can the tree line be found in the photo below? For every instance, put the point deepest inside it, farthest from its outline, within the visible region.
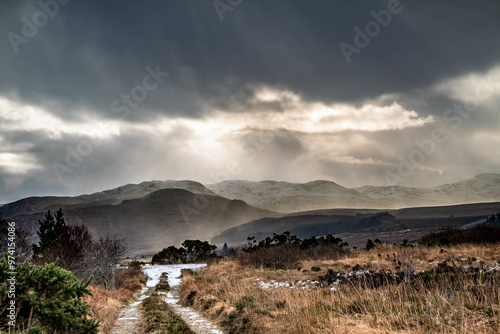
(77, 250)
(47, 281)
(191, 251)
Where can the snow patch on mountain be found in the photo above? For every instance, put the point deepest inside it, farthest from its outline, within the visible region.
(320, 194)
(289, 197)
(481, 188)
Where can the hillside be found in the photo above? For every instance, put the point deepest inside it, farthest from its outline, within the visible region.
(303, 226)
(317, 195)
(481, 188)
(291, 197)
(356, 228)
(112, 197)
(162, 218)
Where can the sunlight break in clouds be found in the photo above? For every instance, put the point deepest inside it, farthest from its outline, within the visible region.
(15, 116)
(301, 116)
(481, 85)
(17, 163)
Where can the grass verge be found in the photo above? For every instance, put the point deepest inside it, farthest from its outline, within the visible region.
(105, 304)
(448, 292)
(160, 318)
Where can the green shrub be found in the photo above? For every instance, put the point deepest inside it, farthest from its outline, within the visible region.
(46, 297)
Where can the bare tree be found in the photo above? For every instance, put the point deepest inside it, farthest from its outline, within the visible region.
(105, 254)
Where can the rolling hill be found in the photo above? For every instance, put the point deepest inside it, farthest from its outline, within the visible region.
(112, 197)
(149, 223)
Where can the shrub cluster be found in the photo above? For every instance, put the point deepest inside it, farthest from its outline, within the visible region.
(49, 295)
(77, 250)
(450, 236)
(130, 278)
(191, 252)
(284, 251)
(47, 298)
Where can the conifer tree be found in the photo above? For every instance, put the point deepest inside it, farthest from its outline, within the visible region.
(49, 231)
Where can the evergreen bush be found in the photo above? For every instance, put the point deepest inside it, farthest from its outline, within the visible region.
(47, 298)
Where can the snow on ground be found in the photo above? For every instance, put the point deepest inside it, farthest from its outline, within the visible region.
(173, 271)
(193, 319)
(271, 285)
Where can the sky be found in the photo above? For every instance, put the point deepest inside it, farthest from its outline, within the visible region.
(98, 94)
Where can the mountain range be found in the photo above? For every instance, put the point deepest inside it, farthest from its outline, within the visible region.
(154, 214)
(293, 197)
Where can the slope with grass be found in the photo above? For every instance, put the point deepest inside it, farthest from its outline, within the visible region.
(450, 290)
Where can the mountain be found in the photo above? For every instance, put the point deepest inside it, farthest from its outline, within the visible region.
(152, 214)
(292, 197)
(114, 196)
(149, 223)
(481, 188)
(130, 191)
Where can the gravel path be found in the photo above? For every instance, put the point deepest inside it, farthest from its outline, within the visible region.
(129, 319)
(193, 319)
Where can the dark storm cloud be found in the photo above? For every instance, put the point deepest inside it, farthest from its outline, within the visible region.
(92, 52)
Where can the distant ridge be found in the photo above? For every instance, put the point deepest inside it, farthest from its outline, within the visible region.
(290, 197)
(481, 188)
(152, 214)
(316, 195)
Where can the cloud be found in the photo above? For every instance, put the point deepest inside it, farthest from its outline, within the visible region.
(95, 52)
(267, 88)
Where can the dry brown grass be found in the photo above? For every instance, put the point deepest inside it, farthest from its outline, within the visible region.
(424, 256)
(451, 303)
(105, 304)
